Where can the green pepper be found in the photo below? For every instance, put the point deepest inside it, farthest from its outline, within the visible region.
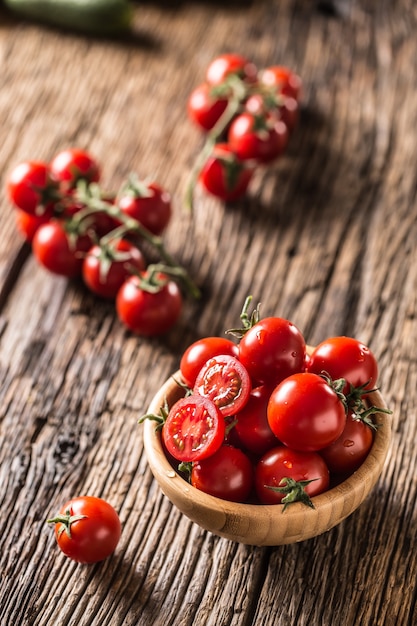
(99, 17)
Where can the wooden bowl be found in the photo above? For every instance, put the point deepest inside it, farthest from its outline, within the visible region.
(264, 525)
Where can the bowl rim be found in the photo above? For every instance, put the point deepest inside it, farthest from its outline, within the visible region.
(198, 505)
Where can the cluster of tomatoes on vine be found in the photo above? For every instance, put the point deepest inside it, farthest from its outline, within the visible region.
(248, 116)
(77, 230)
(266, 420)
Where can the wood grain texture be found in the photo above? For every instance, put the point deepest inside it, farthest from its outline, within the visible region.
(327, 238)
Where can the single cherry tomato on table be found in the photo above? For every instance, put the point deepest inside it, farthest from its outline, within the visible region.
(271, 350)
(72, 165)
(305, 412)
(226, 65)
(281, 463)
(204, 107)
(105, 268)
(224, 175)
(226, 382)
(149, 312)
(199, 352)
(194, 429)
(87, 529)
(345, 357)
(58, 251)
(31, 188)
(227, 474)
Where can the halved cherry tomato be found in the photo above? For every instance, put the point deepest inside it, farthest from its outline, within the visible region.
(194, 429)
(227, 474)
(199, 352)
(226, 382)
(305, 412)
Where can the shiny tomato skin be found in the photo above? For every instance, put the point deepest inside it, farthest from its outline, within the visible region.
(348, 452)
(74, 164)
(305, 413)
(282, 462)
(224, 175)
(226, 382)
(92, 538)
(283, 79)
(204, 108)
(252, 427)
(271, 350)
(153, 209)
(228, 64)
(53, 249)
(29, 186)
(104, 274)
(227, 474)
(146, 313)
(345, 357)
(199, 352)
(28, 224)
(251, 139)
(193, 430)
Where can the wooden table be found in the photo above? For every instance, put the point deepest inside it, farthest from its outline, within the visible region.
(326, 238)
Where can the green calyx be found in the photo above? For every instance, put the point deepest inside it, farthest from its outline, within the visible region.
(66, 520)
(294, 491)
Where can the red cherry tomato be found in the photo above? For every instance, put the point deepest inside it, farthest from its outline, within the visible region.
(72, 165)
(28, 224)
(252, 427)
(31, 188)
(148, 204)
(57, 251)
(105, 269)
(194, 429)
(283, 80)
(226, 382)
(228, 64)
(224, 175)
(199, 352)
(271, 350)
(148, 313)
(345, 357)
(305, 413)
(87, 529)
(204, 107)
(227, 474)
(257, 137)
(280, 463)
(349, 451)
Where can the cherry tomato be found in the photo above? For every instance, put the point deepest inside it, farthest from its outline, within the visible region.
(28, 224)
(349, 451)
(106, 268)
(271, 350)
(224, 175)
(228, 64)
(148, 204)
(87, 529)
(54, 248)
(305, 413)
(283, 80)
(252, 427)
(148, 313)
(194, 429)
(280, 463)
(31, 188)
(227, 474)
(345, 357)
(204, 107)
(257, 137)
(199, 352)
(72, 165)
(226, 382)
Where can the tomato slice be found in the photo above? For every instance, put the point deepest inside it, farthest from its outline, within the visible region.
(194, 429)
(226, 382)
